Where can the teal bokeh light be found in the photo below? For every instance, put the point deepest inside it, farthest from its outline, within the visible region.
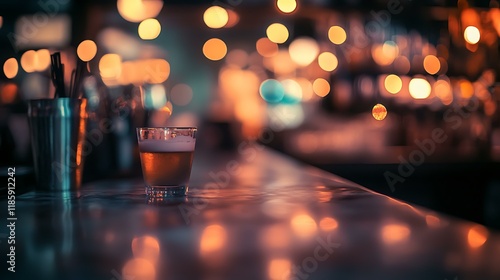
(272, 91)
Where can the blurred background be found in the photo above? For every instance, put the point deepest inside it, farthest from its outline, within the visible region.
(398, 96)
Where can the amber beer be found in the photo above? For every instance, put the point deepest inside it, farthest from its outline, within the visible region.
(166, 168)
(166, 158)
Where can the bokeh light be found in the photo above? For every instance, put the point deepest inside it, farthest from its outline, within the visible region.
(149, 29)
(303, 50)
(442, 89)
(432, 64)
(266, 47)
(215, 17)
(213, 239)
(278, 268)
(181, 94)
(337, 35)
(110, 66)
(86, 50)
(286, 6)
(304, 225)
(8, 93)
(138, 10)
(328, 224)
(138, 268)
(42, 59)
(293, 91)
(393, 83)
(271, 91)
(277, 33)
(328, 61)
(466, 88)
(472, 35)
(477, 236)
(146, 247)
(379, 112)
(321, 87)
(214, 49)
(28, 61)
(419, 88)
(10, 68)
(395, 233)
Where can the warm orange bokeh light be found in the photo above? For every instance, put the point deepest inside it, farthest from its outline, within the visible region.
(328, 224)
(10, 68)
(328, 61)
(432, 221)
(110, 65)
(286, 6)
(432, 64)
(395, 233)
(266, 48)
(138, 268)
(303, 50)
(213, 239)
(379, 112)
(146, 247)
(279, 268)
(138, 10)
(337, 35)
(303, 225)
(277, 33)
(472, 35)
(215, 17)
(149, 29)
(393, 83)
(28, 61)
(214, 49)
(442, 89)
(419, 88)
(86, 50)
(477, 236)
(8, 93)
(321, 87)
(466, 89)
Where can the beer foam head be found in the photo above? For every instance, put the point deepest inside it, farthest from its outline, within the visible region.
(177, 144)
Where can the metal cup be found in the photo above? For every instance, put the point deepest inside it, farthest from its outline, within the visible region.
(57, 128)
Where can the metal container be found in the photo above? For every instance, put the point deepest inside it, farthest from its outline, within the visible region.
(57, 128)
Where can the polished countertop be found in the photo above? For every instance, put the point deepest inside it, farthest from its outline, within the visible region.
(255, 214)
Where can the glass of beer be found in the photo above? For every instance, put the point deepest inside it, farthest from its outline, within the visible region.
(166, 159)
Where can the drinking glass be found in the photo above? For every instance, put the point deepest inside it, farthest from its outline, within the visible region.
(166, 159)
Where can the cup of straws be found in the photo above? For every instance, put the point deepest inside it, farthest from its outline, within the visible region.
(57, 129)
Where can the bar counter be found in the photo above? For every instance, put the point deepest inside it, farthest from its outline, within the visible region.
(255, 214)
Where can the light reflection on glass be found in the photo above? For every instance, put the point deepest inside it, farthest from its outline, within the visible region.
(395, 233)
(304, 225)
